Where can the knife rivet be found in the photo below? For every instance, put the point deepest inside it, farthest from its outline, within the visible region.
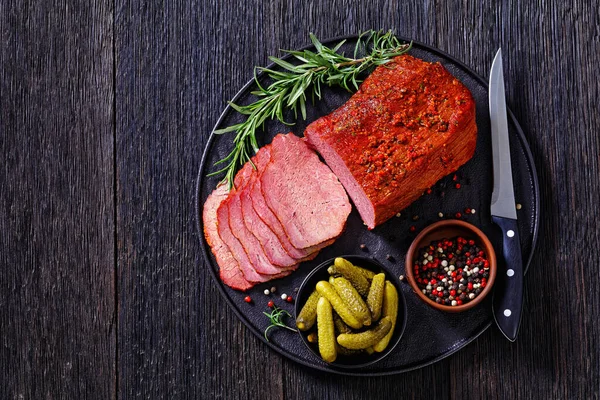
(507, 312)
(510, 272)
(510, 233)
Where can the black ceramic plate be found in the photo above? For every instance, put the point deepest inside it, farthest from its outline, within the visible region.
(430, 335)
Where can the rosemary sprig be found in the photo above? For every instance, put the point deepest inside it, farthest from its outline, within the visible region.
(295, 82)
(276, 318)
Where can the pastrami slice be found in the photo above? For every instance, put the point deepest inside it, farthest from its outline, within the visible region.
(249, 242)
(252, 247)
(266, 215)
(268, 240)
(303, 193)
(229, 269)
(235, 247)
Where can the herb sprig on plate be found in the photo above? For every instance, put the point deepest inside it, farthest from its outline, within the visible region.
(276, 319)
(290, 87)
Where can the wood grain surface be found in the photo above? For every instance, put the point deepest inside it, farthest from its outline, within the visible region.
(57, 247)
(105, 109)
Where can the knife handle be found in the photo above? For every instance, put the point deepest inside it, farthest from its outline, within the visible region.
(508, 295)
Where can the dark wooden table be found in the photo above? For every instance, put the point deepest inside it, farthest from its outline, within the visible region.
(105, 108)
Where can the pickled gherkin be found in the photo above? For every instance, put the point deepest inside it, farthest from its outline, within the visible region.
(389, 310)
(326, 290)
(363, 340)
(352, 298)
(308, 315)
(375, 297)
(353, 274)
(340, 326)
(367, 273)
(325, 330)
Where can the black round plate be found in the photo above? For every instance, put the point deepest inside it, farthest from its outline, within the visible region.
(430, 335)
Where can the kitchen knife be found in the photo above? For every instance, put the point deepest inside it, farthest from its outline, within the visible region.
(508, 294)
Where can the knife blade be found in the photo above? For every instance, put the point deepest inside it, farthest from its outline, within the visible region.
(508, 294)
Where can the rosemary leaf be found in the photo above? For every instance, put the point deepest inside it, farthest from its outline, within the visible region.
(276, 320)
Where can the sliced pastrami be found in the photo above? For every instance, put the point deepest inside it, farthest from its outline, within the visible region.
(271, 245)
(302, 192)
(229, 269)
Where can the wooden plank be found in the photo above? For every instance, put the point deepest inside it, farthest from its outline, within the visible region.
(549, 50)
(57, 256)
(160, 125)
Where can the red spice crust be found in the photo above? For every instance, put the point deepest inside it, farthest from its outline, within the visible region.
(410, 124)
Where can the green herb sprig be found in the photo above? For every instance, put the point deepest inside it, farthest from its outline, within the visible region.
(291, 86)
(276, 318)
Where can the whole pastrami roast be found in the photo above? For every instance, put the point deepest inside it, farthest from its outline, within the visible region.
(410, 124)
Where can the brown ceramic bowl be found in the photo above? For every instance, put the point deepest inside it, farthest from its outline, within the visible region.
(445, 230)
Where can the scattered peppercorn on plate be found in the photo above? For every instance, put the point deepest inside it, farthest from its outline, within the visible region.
(350, 311)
